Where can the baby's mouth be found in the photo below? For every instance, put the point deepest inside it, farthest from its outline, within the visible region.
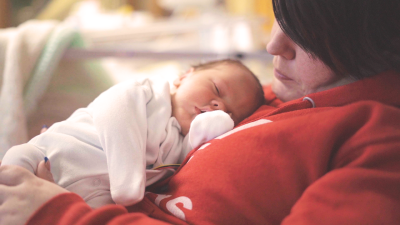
(199, 111)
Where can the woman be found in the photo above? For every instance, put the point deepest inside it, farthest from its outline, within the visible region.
(323, 150)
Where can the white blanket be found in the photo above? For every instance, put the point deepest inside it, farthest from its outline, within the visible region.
(20, 49)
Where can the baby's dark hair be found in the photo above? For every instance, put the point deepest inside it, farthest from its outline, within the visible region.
(239, 64)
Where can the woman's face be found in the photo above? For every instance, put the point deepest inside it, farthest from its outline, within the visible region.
(296, 73)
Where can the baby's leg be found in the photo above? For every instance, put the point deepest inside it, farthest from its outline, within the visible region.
(95, 190)
(25, 155)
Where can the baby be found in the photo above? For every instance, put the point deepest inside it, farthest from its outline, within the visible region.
(107, 151)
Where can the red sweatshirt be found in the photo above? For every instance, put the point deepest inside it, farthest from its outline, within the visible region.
(289, 163)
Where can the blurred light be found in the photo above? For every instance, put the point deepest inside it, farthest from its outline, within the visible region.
(174, 4)
(242, 37)
(220, 39)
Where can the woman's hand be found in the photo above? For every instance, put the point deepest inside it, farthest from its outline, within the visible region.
(43, 171)
(22, 193)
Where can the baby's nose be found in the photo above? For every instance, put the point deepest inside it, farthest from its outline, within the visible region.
(218, 105)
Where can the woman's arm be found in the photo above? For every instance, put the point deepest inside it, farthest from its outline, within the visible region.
(22, 193)
(27, 199)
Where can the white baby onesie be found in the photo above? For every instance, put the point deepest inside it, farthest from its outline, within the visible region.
(105, 152)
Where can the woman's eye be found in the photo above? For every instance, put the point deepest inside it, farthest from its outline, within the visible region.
(216, 88)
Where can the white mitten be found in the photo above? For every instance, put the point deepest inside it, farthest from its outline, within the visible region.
(209, 125)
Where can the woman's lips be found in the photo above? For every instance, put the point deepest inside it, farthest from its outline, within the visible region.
(280, 76)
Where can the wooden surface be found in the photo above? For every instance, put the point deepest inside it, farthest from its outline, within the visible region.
(5, 13)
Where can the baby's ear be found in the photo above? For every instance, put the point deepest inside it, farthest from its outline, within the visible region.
(177, 82)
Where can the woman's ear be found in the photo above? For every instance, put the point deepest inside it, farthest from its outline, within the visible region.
(177, 82)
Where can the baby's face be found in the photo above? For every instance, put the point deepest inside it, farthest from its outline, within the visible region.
(226, 87)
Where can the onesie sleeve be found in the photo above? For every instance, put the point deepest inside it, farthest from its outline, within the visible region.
(119, 116)
(207, 126)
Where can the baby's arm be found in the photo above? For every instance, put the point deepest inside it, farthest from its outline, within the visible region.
(120, 119)
(25, 155)
(209, 125)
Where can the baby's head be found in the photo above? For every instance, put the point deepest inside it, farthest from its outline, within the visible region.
(225, 85)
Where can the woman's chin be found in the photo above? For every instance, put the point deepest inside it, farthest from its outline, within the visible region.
(283, 92)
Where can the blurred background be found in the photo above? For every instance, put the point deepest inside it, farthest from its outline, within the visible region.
(219, 26)
(120, 39)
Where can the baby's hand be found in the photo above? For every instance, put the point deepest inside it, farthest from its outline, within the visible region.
(209, 125)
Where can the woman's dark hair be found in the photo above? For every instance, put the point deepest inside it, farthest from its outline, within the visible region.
(356, 38)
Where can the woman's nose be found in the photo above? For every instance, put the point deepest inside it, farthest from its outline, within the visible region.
(218, 105)
(280, 44)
